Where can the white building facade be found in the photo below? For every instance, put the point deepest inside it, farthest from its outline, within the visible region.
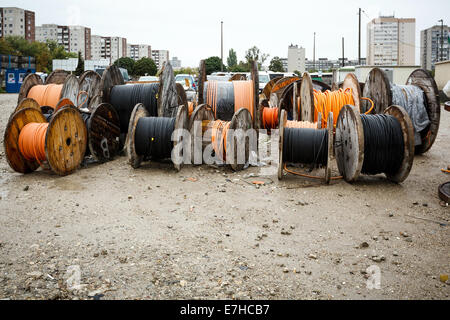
(434, 46)
(296, 59)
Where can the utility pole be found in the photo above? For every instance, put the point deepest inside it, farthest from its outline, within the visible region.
(314, 52)
(359, 39)
(221, 45)
(343, 52)
(442, 39)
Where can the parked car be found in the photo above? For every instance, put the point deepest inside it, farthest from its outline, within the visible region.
(187, 81)
(148, 79)
(264, 78)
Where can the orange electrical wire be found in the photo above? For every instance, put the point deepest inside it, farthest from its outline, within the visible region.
(270, 118)
(308, 176)
(301, 125)
(219, 137)
(32, 141)
(190, 108)
(85, 100)
(243, 96)
(46, 95)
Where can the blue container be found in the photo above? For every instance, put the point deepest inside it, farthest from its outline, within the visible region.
(14, 79)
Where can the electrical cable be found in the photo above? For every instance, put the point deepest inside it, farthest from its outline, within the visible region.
(383, 144)
(32, 141)
(125, 97)
(46, 95)
(305, 146)
(153, 138)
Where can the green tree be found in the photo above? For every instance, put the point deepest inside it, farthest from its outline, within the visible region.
(276, 65)
(191, 71)
(298, 73)
(241, 67)
(213, 64)
(6, 47)
(254, 54)
(80, 67)
(126, 63)
(145, 67)
(232, 60)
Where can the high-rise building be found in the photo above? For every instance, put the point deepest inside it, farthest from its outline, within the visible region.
(434, 46)
(17, 22)
(74, 38)
(139, 51)
(96, 47)
(391, 41)
(113, 48)
(160, 57)
(296, 59)
(175, 62)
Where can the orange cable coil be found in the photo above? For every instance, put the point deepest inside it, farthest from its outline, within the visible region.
(46, 95)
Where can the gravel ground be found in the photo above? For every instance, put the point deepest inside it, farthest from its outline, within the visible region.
(153, 233)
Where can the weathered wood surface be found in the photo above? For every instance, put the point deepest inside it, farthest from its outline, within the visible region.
(134, 159)
(104, 132)
(167, 96)
(111, 77)
(181, 124)
(201, 82)
(66, 141)
(283, 120)
(30, 81)
(378, 89)
(330, 155)
(57, 77)
(349, 146)
(351, 82)
(255, 79)
(11, 139)
(241, 123)
(425, 81)
(70, 89)
(409, 144)
(90, 82)
(238, 77)
(307, 98)
(444, 192)
(27, 103)
(200, 114)
(182, 98)
(269, 86)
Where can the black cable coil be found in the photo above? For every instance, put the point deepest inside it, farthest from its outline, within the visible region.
(125, 97)
(383, 144)
(153, 138)
(306, 146)
(223, 100)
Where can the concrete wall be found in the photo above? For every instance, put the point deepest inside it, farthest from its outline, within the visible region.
(396, 74)
(442, 74)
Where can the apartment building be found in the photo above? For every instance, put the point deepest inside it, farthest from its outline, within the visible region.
(72, 38)
(17, 22)
(160, 57)
(296, 58)
(138, 51)
(391, 41)
(434, 46)
(175, 62)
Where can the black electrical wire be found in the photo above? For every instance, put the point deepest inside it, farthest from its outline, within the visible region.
(125, 97)
(86, 116)
(383, 144)
(47, 112)
(153, 138)
(306, 146)
(224, 100)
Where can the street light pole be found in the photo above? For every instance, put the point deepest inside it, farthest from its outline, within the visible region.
(221, 45)
(314, 52)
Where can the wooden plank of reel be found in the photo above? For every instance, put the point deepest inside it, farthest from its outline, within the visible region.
(139, 112)
(240, 124)
(307, 98)
(70, 89)
(425, 81)
(90, 82)
(27, 103)
(330, 146)
(29, 82)
(57, 77)
(201, 113)
(269, 86)
(350, 144)
(167, 95)
(182, 98)
(65, 141)
(202, 77)
(351, 82)
(255, 79)
(103, 133)
(378, 89)
(111, 77)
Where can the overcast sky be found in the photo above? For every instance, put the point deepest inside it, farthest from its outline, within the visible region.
(190, 30)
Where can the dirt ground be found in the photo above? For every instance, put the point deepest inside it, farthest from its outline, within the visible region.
(154, 233)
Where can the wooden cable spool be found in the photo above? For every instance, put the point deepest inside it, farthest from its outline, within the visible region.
(255, 92)
(65, 140)
(349, 146)
(200, 130)
(90, 82)
(378, 88)
(307, 106)
(69, 90)
(281, 163)
(139, 112)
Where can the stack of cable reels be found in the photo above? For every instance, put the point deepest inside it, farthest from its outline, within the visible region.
(228, 97)
(160, 99)
(58, 85)
(307, 96)
(380, 90)
(137, 135)
(326, 149)
(30, 141)
(232, 149)
(352, 148)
